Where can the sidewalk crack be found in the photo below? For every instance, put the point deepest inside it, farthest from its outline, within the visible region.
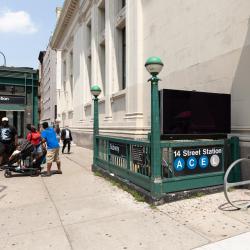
(58, 214)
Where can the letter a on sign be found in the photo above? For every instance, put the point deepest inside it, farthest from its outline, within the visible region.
(179, 164)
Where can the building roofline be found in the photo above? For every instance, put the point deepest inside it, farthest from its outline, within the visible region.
(66, 15)
(19, 69)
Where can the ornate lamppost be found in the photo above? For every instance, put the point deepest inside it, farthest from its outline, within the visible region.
(95, 91)
(154, 66)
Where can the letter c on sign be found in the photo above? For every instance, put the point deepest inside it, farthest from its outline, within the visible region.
(191, 162)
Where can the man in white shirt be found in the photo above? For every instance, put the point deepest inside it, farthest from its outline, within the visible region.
(66, 137)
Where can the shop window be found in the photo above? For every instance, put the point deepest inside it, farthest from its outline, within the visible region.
(89, 61)
(2, 88)
(71, 74)
(121, 57)
(124, 58)
(64, 74)
(19, 90)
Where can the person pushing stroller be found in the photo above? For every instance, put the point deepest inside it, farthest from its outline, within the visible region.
(32, 148)
(34, 137)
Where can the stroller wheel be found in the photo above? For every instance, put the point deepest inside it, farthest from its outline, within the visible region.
(35, 173)
(7, 174)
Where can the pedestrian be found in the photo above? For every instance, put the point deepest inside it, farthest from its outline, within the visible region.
(49, 139)
(8, 140)
(34, 137)
(66, 137)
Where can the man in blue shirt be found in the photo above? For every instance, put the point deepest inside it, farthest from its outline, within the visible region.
(49, 137)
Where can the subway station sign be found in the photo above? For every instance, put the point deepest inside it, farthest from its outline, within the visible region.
(6, 99)
(197, 160)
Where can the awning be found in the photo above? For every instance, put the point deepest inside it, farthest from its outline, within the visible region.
(12, 107)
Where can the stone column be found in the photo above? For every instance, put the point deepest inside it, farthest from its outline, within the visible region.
(58, 82)
(134, 61)
(109, 54)
(94, 45)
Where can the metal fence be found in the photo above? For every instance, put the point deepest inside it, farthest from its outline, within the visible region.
(130, 159)
(127, 158)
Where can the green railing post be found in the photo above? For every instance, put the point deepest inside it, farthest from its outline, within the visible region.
(235, 155)
(96, 129)
(154, 66)
(155, 129)
(128, 156)
(95, 90)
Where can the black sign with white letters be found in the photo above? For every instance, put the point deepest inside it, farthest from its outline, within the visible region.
(197, 160)
(138, 155)
(118, 149)
(6, 99)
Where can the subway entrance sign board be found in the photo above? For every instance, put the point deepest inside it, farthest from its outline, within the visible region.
(6, 99)
(197, 160)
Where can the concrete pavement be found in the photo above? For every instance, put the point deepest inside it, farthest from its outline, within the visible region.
(78, 210)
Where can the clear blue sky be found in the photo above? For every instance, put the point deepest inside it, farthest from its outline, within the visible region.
(25, 29)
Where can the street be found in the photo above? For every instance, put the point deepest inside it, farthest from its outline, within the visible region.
(80, 210)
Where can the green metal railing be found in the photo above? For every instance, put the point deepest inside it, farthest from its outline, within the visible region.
(127, 158)
(172, 182)
(161, 166)
(130, 160)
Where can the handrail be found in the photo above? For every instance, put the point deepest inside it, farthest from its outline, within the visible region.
(125, 140)
(228, 185)
(182, 143)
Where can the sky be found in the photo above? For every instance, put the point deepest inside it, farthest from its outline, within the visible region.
(25, 29)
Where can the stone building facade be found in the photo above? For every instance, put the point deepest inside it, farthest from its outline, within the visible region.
(204, 46)
(48, 86)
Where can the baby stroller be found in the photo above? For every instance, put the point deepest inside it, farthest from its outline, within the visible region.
(24, 161)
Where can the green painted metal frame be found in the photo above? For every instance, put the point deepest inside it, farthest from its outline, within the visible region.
(188, 182)
(27, 78)
(192, 182)
(153, 180)
(124, 172)
(139, 180)
(159, 187)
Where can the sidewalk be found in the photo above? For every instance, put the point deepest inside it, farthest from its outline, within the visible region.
(78, 210)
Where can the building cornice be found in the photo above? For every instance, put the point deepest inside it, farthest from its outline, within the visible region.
(84, 9)
(65, 18)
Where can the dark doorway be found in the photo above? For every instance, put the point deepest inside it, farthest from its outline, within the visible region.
(2, 114)
(15, 119)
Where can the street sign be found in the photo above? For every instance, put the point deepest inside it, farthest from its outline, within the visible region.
(197, 160)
